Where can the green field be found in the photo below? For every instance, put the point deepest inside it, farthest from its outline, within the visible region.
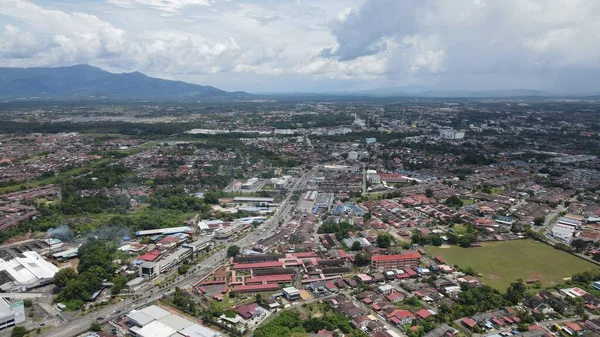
(501, 263)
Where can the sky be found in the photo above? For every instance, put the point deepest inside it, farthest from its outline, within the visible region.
(316, 45)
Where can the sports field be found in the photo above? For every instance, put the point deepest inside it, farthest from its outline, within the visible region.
(503, 262)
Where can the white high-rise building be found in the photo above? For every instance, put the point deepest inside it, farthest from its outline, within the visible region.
(452, 134)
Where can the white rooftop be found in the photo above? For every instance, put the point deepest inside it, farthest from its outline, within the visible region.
(155, 329)
(175, 322)
(199, 331)
(28, 269)
(155, 312)
(140, 318)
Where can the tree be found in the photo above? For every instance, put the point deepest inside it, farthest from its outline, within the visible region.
(454, 201)
(515, 292)
(579, 245)
(466, 240)
(63, 276)
(18, 331)
(362, 259)
(95, 327)
(538, 221)
(356, 246)
(27, 303)
(384, 240)
(429, 193)
(211, 197)
(233, 250)
(367, 217)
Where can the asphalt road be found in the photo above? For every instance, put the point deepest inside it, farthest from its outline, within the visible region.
(151, 294)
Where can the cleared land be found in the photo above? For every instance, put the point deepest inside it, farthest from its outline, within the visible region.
(504, 262)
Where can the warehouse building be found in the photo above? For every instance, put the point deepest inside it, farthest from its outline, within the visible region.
(154, 321)
(24, 270)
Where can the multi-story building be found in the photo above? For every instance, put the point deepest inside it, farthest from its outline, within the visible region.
(388, 262)
(452, 134)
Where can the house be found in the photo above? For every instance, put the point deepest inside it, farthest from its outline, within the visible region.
(576, 328)
(291, 293)
(351, 310)
(423, 314)
(360, 322)
(395, 297)
(401, 317)
(386, 289)
(249, 311)
(325, 333)
(469, 323)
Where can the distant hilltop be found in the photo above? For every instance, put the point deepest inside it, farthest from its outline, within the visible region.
(88, 82)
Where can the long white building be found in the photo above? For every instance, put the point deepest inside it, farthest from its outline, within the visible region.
(25, 270)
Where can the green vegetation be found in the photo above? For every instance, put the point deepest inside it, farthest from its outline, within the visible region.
(233, 250)
(454, 201)
(64, 276)
(95, 265)
(289, 323)
(430, 239)
(95, 327)
(339, 229)
(18, 331)
(467, 202)
(384, 240)
(502, 263)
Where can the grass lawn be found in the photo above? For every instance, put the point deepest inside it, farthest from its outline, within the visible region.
(460, 228)
(496, 190)
(504, 262)
(467, 202)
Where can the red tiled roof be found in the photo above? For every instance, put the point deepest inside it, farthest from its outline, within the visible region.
(305, 254)
(270, 279)
(270, 264)
(256, 287)
(423, 313)
(497, 321)
(150, 256)
(394, 296)
(469, 322)
(404, 314)
(411, 255)
(573, 326)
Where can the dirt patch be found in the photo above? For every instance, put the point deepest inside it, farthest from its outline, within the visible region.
(445, 246)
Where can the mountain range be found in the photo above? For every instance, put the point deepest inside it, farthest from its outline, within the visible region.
(88, 82)
(85, 82)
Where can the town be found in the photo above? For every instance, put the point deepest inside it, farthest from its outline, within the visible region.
(381, 218)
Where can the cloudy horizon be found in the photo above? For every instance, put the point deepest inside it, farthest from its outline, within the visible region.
(316, 45)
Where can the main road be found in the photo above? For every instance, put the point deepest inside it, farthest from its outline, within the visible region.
(82, 324)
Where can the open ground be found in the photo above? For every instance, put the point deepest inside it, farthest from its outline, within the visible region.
(501, 263)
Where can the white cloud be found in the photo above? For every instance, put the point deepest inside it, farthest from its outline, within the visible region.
(278, 45)
(171, 6)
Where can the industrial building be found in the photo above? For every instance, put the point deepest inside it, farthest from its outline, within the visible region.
(24, 270)
(154, 321)
(253, 200)
(11, 314)
(166, 231)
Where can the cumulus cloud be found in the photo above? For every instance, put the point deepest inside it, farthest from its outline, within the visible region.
(472, 37)
(334, 44)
